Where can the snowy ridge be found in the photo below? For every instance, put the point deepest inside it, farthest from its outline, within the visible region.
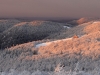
(48, 43)
(96, 22)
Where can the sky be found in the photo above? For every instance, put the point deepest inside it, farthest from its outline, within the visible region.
(50, 8)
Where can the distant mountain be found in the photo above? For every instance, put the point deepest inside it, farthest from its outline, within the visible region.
(6, 24)
(86, 19)
(82, 20)
(24, 32)
(16, 32)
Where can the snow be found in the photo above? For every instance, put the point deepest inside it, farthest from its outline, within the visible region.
(96, 22)
(48, 43)
(66, 27)
(39, 45)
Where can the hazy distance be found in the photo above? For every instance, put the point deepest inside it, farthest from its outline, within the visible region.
(49, 8)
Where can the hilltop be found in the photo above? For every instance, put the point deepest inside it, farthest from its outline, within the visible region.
(79, 54)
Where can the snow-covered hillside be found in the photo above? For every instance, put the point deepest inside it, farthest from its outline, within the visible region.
(52, 42)
(66, 55)
(15, 32)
